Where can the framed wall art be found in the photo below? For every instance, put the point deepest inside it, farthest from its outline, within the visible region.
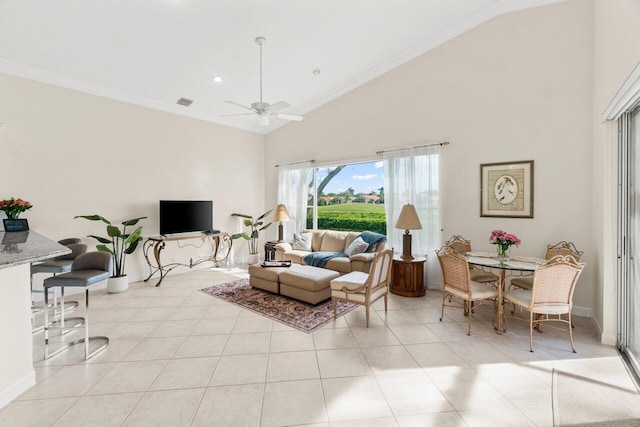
(506, 189)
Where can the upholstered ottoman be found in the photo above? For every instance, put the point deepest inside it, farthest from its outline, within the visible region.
(266, 278)
(306, 283)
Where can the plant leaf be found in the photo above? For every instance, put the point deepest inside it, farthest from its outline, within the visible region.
(133, 221)
(255, 234)
(133, 237)
(247, 223)
(266, 226)
(241, 215)
(113, 231)
(239, 235)
(100, 239)
(93, 218)
(264, 215)
(132, 247)
(103, 248)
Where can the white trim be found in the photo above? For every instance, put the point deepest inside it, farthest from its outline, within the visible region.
(499, 7)
(55, 79)
(576, 310)
(19, 387)
(626, 97)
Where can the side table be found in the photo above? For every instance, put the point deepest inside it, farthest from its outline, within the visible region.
(270, 251)
(407, 277)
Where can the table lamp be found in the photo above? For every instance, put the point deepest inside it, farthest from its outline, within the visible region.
(281, 215)
(408, 220)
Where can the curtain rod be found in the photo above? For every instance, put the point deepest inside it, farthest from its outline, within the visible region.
(416, 146)
(296, 163)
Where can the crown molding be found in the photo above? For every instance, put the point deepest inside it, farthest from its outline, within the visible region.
(44, 76)
(481, 16)
(627, 96)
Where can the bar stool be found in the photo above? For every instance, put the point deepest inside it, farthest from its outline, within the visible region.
(59, 265)
(87, 270)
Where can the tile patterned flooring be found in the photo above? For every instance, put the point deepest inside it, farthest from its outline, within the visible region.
(178, 357)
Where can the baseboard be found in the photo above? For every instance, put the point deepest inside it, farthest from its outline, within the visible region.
(17, 389)
(607, 339)
(139, 277)
(580, 311)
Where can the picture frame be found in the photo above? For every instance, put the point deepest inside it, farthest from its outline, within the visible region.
(506, 189)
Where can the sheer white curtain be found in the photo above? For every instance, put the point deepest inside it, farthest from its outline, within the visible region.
(293, 191)
(411, 176)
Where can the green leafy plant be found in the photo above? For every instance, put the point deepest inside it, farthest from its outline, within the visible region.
(122, 243)
(256, 227)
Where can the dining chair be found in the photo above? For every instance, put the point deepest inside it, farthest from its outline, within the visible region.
(362, 288)
(461, 245)
(550, 295)
(561, 248)
(457, 283)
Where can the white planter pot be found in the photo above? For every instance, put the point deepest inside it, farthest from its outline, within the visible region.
(253, 259)
(117, 284)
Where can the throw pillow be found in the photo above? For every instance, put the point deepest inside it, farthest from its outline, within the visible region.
(358, 246)
(302, 241)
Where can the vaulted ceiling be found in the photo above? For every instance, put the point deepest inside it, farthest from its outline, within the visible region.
(153, 52)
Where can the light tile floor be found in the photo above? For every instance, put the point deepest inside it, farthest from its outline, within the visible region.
(178, 357)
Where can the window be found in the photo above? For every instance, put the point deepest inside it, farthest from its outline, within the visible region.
(347, 197)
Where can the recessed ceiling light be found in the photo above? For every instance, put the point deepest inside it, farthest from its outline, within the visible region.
(217, 79)
(316, 71)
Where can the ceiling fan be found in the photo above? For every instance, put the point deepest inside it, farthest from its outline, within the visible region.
(264, 109)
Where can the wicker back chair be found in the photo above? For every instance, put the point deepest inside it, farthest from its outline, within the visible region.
(457, 283)
(561, 248)
(551, 295)
(362, 288)
(461, 246)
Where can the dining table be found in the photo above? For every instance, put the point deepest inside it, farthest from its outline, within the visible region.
(517, 266)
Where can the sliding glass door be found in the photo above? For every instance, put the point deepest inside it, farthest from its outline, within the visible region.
(629, 238)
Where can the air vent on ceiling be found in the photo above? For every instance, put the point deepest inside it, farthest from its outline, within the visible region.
(184, 101)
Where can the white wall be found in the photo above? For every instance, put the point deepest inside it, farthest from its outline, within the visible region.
(518, 87)
(616, 52)
(71, 154)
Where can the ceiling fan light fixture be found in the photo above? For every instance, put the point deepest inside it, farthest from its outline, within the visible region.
(217, 79)
(263, 109)
(263, 119)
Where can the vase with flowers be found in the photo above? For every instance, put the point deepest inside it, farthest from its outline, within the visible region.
(503, 242)
(13, 208)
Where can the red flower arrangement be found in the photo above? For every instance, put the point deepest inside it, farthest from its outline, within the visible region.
(14, 207)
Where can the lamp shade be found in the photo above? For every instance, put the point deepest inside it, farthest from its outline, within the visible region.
(281, 214)
(408, 219)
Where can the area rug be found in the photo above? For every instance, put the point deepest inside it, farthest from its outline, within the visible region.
(297, 314)
(583, 401)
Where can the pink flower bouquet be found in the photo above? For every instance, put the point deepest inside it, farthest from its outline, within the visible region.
(504, 241)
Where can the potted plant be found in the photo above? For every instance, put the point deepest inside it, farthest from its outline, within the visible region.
(121, 244)
(252, 238)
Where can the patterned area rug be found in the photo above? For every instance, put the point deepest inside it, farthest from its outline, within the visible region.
(297, 314)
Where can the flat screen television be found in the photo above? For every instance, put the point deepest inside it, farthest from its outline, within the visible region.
(184, 216)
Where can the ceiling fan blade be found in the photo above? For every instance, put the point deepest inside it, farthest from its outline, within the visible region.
(240, 105)
(279, 106)
(239, 114)
(263, 119)
(288, 117)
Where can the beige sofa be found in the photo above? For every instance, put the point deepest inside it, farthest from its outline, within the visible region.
(331, 241)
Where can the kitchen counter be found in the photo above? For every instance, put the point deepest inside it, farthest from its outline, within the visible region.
(21, 247)
(17, 251)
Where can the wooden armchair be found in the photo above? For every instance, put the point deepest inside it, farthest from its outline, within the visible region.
(362, 288)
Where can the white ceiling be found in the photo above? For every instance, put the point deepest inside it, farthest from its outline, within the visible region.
(153, 52)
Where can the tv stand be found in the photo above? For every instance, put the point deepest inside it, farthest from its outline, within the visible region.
(220, 248)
